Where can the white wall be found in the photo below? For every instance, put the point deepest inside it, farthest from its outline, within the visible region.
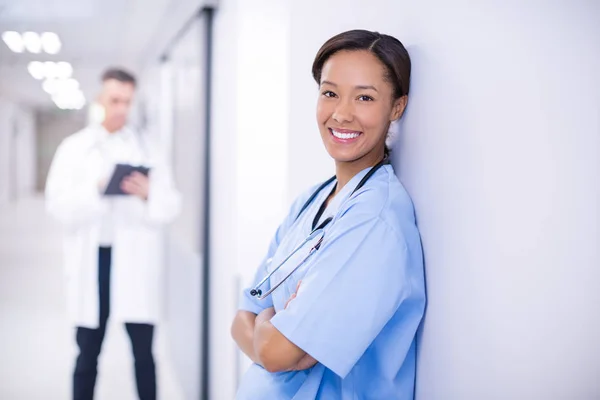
(52, 127)
(188, 75)
(17, 151)
(499, 149)
(6, 147)
(224, 232)
(171, 102)
(171, 95)
(25, 146)
(183, 77)
(250, 177)
(506, 183)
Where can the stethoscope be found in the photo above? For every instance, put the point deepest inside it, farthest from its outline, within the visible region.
(319, 230)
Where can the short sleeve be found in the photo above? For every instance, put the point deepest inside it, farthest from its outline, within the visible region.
(250, 303)
(355, 284)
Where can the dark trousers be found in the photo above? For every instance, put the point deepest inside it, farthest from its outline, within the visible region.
(90, 343)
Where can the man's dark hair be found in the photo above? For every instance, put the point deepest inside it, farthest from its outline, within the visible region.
(120, 75)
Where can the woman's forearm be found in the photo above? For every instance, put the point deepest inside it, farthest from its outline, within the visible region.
(242, 331)
(265, 345)
(273, 350)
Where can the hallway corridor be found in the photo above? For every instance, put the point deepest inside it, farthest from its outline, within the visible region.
(36, 343)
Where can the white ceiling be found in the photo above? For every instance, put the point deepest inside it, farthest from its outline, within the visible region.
(94, 34)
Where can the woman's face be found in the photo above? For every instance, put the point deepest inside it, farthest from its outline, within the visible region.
(355, 107)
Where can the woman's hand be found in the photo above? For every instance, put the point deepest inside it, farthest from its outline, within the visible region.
(307, 361)
(293, 296)
(273, 350)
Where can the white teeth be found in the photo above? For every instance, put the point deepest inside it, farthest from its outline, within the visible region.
(340, 135)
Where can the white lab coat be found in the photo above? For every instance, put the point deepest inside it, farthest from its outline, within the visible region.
(74, 199)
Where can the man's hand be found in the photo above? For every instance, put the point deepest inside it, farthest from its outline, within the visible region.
(136, 184)
(307, 361)
(102, 183)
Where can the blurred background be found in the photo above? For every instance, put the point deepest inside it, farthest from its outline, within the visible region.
(499, 148)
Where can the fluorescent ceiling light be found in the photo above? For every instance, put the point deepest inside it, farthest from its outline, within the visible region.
(69, 100)
(32, 42)
(51, 69)
(14, 41)
(51, 42)
(37, 69)
(59, 104)
(50, 86)
(64, 70)
(79, 101)
(69, 85)
(61, 87)
(60, 70)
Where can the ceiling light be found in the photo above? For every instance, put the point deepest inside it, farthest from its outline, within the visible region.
(69, 85)
(37, 69)
(51, 42)
(62, 106)
(51, 69)
(61, 87)
(32, 41)
(50, 86)
(64, 70)
(69, 99)
(14, 41)
(79, 102)
(61, 102)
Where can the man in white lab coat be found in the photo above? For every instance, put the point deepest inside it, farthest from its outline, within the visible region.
(113, 248)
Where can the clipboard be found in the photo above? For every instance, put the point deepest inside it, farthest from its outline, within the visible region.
(121, 171)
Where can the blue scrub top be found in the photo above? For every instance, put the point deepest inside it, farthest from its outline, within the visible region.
(360, 302)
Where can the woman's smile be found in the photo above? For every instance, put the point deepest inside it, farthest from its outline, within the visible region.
(344, 136)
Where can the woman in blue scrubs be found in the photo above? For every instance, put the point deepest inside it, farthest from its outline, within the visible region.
(336, 304)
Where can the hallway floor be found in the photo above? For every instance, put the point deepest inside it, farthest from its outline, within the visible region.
(36, 343)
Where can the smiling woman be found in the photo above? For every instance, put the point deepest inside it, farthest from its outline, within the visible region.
(334, 308)
(364, 80)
